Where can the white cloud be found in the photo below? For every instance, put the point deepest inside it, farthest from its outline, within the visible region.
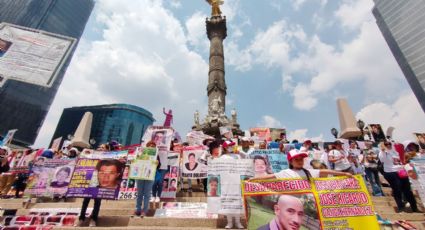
(175, 3)
(138, 61)
(296, 4)
(195, 26)
(353, 13)
(301, 135)
(405, 115)
(270, 122)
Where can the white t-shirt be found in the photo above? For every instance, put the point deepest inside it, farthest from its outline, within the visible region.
(388, 158)
(293, 173)
(341, 164)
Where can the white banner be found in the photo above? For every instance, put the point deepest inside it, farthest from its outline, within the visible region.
(32, 56)
(224, 184)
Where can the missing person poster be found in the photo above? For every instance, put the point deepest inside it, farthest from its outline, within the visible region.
(193, 165)
(145, 164)
(50, 177)
(223, 184)
(268, 161)
(419, 182)
(169, 187)
(128, 187)
(96, 178)
(323, 203)
(161, 136)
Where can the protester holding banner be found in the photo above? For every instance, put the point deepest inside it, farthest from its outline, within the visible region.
(144, 189)
(370, 162)
(161, 170)
(227, 147)
(338, 156)
(245, 148)
(397, 176)
(297, 170)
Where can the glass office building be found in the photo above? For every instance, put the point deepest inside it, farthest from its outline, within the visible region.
(402, 23)
(120, 122)
(24, 106)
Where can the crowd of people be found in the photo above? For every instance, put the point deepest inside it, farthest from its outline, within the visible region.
(381, 164)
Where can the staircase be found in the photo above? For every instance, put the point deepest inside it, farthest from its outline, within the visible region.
(118, 214)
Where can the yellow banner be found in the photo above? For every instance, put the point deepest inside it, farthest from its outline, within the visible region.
(322, 203)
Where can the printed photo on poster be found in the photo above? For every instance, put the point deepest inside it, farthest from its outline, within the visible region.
(213, 186)
(4, 46)
(282, 212)
(161, 136)
(96, 178)
(193, 166)
(377, 133)
(62, 177)
(421, 140)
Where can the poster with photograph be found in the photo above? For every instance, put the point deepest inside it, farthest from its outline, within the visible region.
(97, 178)
(421, 140)
(161, 136)
(192, 164)
(378, 134)
(32, 56)
(128, 187)
(268, 161)
(224, 183)
(50, 177)
(323, 203)
(260, 134)
(143, 169)
(419, 183)
(169, 188)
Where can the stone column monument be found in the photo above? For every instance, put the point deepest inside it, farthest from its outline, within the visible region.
(216, 89)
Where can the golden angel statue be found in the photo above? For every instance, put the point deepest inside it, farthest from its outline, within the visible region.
(215, 7)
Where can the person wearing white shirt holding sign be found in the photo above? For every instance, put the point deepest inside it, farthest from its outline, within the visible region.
(296, 170)
(339, 158)
(396, 176)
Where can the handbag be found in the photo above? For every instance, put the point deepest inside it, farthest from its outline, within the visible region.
(402, 174)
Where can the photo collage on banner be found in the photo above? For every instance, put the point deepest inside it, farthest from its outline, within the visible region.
(193, 166)
(128, 187)
(50, 177)
(224, 183)
(268, 161)
(169, 188)
(98, 176)
(378, 134)
(421, 140)
(144, 166)
(323, 203)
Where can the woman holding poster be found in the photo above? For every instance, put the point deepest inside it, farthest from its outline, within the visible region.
(296, 170)
(227, 147)
(393, 173)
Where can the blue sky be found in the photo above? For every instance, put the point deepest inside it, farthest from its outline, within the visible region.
(286, 63)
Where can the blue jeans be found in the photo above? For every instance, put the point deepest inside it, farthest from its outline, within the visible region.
(373, 177)
(157, 184)
(144, 189)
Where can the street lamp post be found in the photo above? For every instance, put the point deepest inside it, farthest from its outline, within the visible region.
(360, 125)
(334, 132)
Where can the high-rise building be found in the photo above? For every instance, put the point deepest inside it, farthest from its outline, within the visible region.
(23, 104)
(120, 122)
(403, 25)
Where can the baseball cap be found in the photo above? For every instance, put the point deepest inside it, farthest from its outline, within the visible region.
(296, 153)
(308, 141)
(228, 144)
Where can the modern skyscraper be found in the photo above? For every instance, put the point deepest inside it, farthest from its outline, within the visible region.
(403, 25)
(24, 105)
(120, 122)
